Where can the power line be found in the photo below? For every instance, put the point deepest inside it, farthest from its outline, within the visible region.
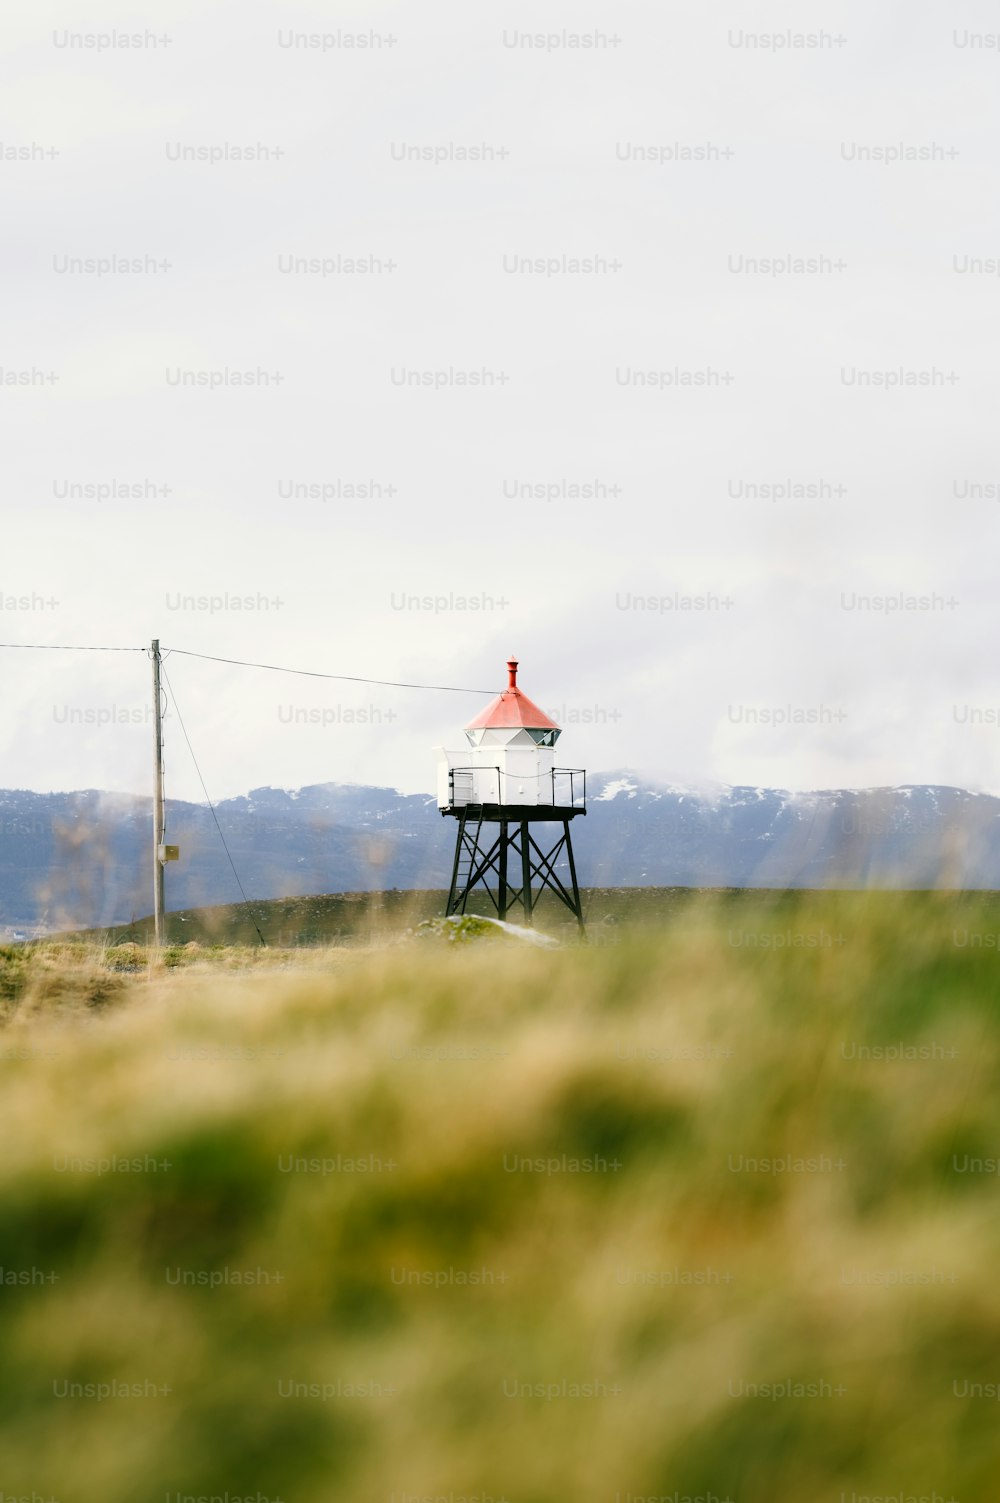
(61, 647)
(345, 678)
(349, 678)
(194, 759)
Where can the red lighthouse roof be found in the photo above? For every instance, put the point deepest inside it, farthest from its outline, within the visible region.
(512, 710)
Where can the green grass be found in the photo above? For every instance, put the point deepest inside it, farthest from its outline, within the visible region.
(367, 917)
(855, 1032)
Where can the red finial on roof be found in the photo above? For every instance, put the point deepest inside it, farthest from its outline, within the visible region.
(512, 709)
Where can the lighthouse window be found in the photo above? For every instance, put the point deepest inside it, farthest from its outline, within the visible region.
(543, 738)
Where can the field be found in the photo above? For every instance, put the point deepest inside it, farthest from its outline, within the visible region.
(706, 1209)
(352, 917)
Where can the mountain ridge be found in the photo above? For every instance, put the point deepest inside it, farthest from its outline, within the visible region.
(81, 858)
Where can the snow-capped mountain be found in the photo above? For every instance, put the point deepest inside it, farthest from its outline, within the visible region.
(83, 858)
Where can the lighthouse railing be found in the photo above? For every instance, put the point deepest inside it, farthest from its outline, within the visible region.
(571, 791)
(477, 786)
(473, 785)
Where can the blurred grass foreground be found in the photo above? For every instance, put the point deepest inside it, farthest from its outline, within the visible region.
(707, 1212)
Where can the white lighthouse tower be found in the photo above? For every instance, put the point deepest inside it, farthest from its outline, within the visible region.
(506, 777)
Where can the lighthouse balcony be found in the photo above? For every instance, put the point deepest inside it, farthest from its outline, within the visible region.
(492, 793)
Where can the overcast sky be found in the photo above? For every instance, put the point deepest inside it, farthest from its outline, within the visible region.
(655, 360)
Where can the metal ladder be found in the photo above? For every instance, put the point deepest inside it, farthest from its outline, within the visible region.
(466, 860)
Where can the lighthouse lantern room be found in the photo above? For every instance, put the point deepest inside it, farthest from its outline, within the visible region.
(504, 788)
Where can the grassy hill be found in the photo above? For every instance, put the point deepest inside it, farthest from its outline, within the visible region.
(373, 917)
(364, 917)
(710, 1210)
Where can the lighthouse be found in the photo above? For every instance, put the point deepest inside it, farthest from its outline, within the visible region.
(513, 806)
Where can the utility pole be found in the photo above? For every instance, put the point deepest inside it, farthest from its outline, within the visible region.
(158, 852)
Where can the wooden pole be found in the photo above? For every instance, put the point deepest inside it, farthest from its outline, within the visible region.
(157, 797)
